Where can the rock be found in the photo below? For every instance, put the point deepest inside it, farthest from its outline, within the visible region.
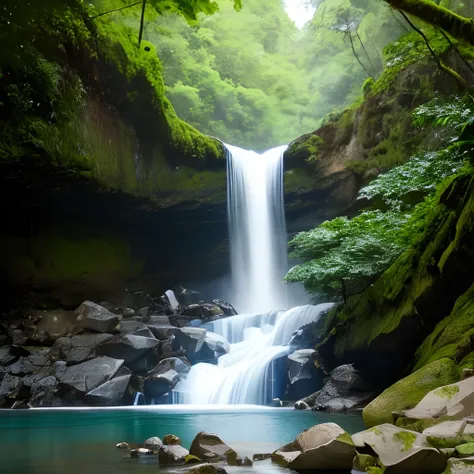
(161, 328)
(143, 312)
(191, 339)
(172, 454)
(454, 400)
(301, 405)
(78, 348)
(144, 332)
(153, 443)
(110, 393)
(401, 451)
(304, 375)
(207, 469)
(122, 445)
(205, 311)
(18, 337)
(202, 345)
(128, 313)
(407, 392)
(345, 390)
(6, 355)
(324, 446)
(228, 309)
(465, 450)
(127, 347)
(307, 336)
(187, 296)
(43, 392)
(247, 462)
(85, 377)
(261, 457)
(21, 367)
(172, 301)
(210, 448)
(49, 326)
(362, 462)
(449, 434)
(10, 387)
(164, 377)
(139, 452)
(171, 439)
(20, 405)
(460, 466)
(276, 403)
(96, 318)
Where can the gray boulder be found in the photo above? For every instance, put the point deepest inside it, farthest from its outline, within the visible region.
(210, 448)
(10, 388)
(172, 454)
(345, 390)
(207, 469)
(153, 443)
(48, 326)
(304, 375)
(85, 377)
(43, 392)
(127, 347)
(110, 393)
(201, 345)
(96, 318)
(323, 447)
(164, 377)
(161, 327)
(460, 466)
(78, 348)
(7, 355)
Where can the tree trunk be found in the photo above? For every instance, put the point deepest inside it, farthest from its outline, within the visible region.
(456, 25)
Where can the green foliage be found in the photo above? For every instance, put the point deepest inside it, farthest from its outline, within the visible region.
(367, 86)
(406, 438)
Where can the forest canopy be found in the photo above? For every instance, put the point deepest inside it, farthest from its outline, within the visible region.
(252, 78)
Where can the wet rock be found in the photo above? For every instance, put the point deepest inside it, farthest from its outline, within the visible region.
(187, 296)
(191, 459)
(161, 328)
(450, 434)
(143, 312)
(400, 451)
(43, 392)
(207, 469)
(10, 388)
(460, 466)
(18, 337)
(303, 373)
(122, 445)
(323, 447)
(172, 454)
(78, 348)
(210, 448)
(21, 367)
(171, 439)
(208, 311)
(307, 336)
(164, 377)
(49, 326)
(276, 403)
(144, 332)
(128, 313)
(172, 301)
(228, 309)
(110, 393)
(301, 405)
(345, 390)
(96, 318)
(20, 405)
(7, 355)
(89, 375)
(127, 347)
(153, 443)
(201, 345)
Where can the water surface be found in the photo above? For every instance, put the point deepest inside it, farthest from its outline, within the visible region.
(82, 441)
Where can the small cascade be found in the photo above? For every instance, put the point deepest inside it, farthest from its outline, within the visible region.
(246, 374)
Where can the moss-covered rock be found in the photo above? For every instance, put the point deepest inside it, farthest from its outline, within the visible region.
(407, 392)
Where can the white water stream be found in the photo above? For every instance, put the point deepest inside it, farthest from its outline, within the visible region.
(258, 247)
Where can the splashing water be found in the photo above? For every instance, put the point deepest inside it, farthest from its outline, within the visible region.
(257, 229)
(246, 374)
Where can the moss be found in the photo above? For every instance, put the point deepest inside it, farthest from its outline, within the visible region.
(406, 438)
(375, 470)
(367, 86)
(447, 392)
(191, 459)
(345, 438)
(466, 449)
(407, 392)
(363, 461)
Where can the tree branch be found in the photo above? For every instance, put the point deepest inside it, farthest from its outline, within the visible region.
(356, 56)
(456, 25)
(116, 10)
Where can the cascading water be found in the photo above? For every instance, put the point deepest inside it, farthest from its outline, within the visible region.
(258, 247)
(245, 374)
(257, 229)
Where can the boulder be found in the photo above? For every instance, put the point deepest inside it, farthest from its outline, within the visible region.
(207, 469)
(465, 450)
(210, 448)
(171, 439)
(128, 313)
(48, 326)
(7, 355)
(460, 466)
(172, 454)
(21, 367)
(454, 400)
(208, 311)
(43, 392)
(228, 309)
(345, 390)
(96, 318)
(18, 337)
(153, 443)
(450, 434)
(127, 347)
(172, 301)
(110, 393)
(161, 327)
(400, 451)
(78, 348)
(261, 457)
(122, 445)
(164, 377)
(307, 336)
(301, 405)
(144, 332)
(85, 377)
(303, 374)
(325, 446)
(10, 387)
(407, 392)
(202, 345)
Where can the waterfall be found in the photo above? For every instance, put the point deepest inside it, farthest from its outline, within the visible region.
(245, 375)
(257, 229)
